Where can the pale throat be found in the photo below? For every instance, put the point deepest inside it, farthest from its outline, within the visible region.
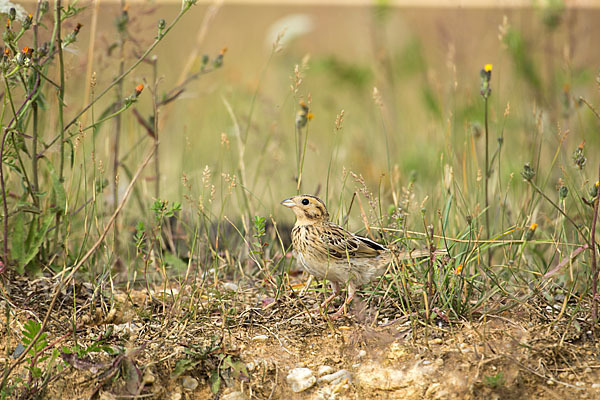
(302, 219)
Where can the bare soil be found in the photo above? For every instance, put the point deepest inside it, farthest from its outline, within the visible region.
(176, 344)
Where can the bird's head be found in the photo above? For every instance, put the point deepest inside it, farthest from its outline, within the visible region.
(308, 209)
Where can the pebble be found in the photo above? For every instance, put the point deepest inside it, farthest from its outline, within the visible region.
(596, 386)
(234, 396)
(549, 382)
(324, 370)
(580, 384)
(190, 384)
(337, 377)
(571, 377)
(301, 379)
(362, 353)
(148, 378)
(260, 338)
(230, 286)
(587, 370)
(437, 341)
(176, 396)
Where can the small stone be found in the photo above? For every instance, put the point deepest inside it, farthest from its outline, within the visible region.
(426, 362)
(176, 396)
(550, 382)
(437, 341)
(587, 370)
(596, 386)
(337, 377)
(234, 396)
(362, 353)
(300, 379)
(464, 347)
(324, 370)
(260, 338)
(580, 384)
(251, 366)
(190, 384)
(571, 377)
(230, 286)
(148, 378)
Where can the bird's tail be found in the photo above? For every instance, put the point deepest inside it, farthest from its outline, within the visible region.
(418, 253)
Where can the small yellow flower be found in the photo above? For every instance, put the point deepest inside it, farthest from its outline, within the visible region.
(458, 269)
(310, 116)
(597, 183)
(488, 67)
(529, 233)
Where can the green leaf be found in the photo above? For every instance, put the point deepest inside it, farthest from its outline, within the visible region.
(183, 366)
(58, 195)
(18, 242)
(38, 239)
(215, 382)
(175, 261)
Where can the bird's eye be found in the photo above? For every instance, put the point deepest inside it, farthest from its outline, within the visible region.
(305, 202)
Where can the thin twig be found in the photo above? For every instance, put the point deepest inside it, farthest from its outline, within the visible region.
(593, 248)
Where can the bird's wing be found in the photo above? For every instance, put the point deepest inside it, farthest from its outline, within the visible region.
(341, 244)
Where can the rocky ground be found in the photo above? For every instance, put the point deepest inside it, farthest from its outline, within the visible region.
(232, 342)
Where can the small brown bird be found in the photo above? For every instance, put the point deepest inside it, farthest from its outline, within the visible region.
(327, 251)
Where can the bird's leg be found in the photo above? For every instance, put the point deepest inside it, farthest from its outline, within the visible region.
(335, 287)
(349, 297)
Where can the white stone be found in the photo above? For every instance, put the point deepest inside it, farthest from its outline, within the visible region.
(324, 370)
(362, 353)
(230, 286)
(301, 379)
(190, 384)
(260, 338)
(234, 396)
(336, 377)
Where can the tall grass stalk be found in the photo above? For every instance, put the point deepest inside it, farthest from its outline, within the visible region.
(60, 105)
(122, 31)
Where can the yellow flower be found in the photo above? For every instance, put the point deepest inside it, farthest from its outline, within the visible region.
(533, 227)
(488, 67)
(310, 116)
(458, 269)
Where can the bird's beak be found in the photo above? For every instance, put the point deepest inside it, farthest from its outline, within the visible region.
(289, 203)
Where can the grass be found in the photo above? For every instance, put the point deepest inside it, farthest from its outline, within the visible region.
(506, 182)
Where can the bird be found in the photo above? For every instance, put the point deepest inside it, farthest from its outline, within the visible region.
(327, 251)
